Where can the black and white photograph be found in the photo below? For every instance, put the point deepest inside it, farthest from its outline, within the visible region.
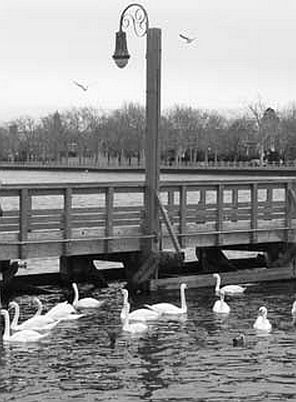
(147, 201)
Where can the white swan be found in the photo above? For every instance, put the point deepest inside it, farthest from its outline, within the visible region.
(168, 308)
(63, 311)
(86, 302)
(135, 327)
(228, 289)
(34, 323)
(21, 336)
(141, 314)
(262, 323)
(220, 306)
(293, 311)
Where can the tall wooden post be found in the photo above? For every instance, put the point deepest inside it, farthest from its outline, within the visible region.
(152, 151)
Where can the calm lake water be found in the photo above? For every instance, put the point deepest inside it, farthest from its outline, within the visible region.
(192, 359)
(35, 176)
(189, 359)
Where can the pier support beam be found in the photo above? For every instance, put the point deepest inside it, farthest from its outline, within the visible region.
(80, 269)
(7, 272)
(213, 260)
(279, 255)
(140, 269)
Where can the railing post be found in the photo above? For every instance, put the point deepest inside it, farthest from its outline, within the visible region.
(254, 211)
(109, 217)
(289, 208)
(24, 222)
(219, 226)
(67, 219)
(183, 206)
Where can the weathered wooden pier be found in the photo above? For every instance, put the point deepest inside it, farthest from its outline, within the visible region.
(80, 223)
(147, 225)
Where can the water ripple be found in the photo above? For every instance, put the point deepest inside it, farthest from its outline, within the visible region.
(192, 359)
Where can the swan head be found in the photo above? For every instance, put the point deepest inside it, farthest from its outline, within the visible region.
(37, 300)
(12, 304)
(183, 286)
(125, 294)
(3, 312)
(263, 311)
(216, 276)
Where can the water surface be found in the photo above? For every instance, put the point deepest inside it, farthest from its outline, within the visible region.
(189, 359)
(49, 176)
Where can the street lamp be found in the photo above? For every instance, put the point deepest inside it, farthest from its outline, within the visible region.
(136, 16)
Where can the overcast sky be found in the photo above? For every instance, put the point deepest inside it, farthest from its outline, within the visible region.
(244, 50)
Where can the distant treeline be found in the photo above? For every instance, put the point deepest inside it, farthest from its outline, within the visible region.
(187, 135)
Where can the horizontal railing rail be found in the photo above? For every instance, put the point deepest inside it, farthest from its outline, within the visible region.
(134, 163)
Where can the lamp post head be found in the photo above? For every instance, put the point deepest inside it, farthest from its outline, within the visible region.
(121, 54)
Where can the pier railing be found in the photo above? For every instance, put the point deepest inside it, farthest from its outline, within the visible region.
(134, 163)
(78, 219)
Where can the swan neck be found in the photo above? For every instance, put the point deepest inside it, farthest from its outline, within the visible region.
(16, 316)
(125, 299)
(40, 307)
(126, 325)
(6, 334)
(76, 295)
(183, 300)
(125, 310)
(218, 283)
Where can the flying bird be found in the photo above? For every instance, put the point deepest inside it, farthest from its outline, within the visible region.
(187, 39)
(83, 87)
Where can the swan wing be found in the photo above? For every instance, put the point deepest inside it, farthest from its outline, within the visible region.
(143, 314)
(139, 327)
(60, 310)
(167, 308)
(26, 336)
(67, 317)
(36, 324)
(136, 327)
(89, 302)
(40, 320)
(233, 289)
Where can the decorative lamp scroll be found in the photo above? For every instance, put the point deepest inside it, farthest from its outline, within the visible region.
(136, 15)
